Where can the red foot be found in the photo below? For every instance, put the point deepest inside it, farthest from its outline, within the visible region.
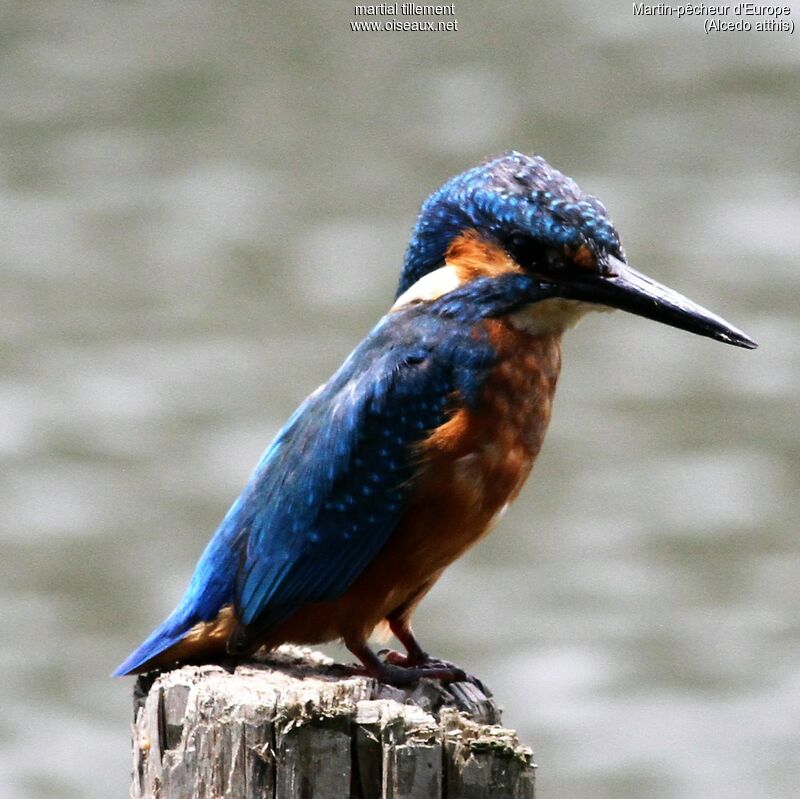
(399, 659)
(398, 669)
(391, 673)
(405, 675)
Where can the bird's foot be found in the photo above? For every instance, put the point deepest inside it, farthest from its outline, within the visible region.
(392, 674)
(398, 669)
(416, 665)
(399, 675)
(415, 659)
(396, 658)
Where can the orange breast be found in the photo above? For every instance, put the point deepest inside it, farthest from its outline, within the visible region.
(471, 467)
(476, 463)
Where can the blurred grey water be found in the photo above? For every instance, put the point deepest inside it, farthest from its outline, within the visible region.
(205, 207)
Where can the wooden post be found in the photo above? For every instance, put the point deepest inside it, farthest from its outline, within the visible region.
(293, 725)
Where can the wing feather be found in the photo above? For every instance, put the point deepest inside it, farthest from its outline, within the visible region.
(333, 486)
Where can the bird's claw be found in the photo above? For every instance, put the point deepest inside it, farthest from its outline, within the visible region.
(400, 669)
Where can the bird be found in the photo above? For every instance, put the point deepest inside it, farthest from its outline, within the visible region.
(409, 454)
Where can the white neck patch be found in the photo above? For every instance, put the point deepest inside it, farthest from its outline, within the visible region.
(430, 287)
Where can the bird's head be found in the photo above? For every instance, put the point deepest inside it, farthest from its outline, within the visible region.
(517, 213)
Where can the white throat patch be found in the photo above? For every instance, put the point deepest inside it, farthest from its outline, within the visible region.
(539, 318)
(552, 316)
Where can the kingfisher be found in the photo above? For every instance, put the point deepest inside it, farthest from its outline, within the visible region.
(412, 450)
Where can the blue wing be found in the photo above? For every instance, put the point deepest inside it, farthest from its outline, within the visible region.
(331, 488)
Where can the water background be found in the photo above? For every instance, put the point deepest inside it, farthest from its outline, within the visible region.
(204, 207)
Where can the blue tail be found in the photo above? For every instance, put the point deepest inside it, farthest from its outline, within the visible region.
(210, 589)
(162, 638)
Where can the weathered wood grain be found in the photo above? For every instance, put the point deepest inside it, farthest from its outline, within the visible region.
(294, 725)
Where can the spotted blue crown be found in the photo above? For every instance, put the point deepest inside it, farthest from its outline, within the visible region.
(508, 194)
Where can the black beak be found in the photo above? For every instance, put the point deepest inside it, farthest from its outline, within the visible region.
(631, 291)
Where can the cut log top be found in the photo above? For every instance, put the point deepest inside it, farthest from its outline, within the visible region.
(294, 724)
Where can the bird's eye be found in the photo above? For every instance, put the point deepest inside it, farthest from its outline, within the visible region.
(521, 247)
(532, 254)
(518, 241)
(554, 260)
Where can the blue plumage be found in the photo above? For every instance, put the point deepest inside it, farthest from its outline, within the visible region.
(332, 486)
(337, 482)
(512, 192)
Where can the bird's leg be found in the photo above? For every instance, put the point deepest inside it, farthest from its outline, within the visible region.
(415, 654)
(400, 625)
(392, 674)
